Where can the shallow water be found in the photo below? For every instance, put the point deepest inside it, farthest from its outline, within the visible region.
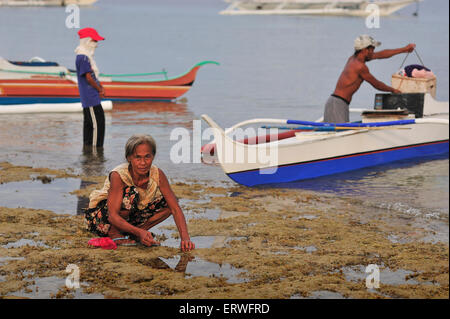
(198, 267)
(48, 287)
(53, 195)
(274, 66)
(271, 67)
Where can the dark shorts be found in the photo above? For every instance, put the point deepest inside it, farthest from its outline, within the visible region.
(97, 217)
(336, 110)
(93, 126)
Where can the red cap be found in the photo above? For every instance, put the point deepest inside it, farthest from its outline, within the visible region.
(90, 33)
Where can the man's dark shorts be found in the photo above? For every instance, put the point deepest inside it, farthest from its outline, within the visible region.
(336, 110)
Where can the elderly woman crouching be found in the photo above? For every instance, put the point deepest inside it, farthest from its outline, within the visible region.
(135, 197)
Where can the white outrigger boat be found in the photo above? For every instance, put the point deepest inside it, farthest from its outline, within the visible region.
(315, 7)
(49, 108)
(318, 149)
(44, 3)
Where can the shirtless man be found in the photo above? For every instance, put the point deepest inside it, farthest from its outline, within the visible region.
(355, 72)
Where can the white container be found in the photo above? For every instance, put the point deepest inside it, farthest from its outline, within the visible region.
(414, 85)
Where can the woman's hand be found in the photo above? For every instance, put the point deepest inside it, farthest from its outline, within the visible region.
(146, 238)
(187, 245)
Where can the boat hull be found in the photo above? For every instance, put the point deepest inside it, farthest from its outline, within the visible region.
(23, 85)
(64, 91)
(311, 155)
(323, 167)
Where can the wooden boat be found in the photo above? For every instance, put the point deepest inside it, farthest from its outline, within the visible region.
(324, 149)
(315, 7)
(40, 81)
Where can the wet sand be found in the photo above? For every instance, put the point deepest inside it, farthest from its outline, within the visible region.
(252, 243)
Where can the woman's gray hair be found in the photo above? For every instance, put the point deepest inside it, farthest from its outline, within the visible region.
(138, 139)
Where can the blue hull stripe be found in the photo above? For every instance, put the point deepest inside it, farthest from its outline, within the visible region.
(34, 100)
(329, 166)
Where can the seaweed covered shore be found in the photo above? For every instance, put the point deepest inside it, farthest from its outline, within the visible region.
(251, 243)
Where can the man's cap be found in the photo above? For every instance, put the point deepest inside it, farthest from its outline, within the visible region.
(364, 41)
(90, 33)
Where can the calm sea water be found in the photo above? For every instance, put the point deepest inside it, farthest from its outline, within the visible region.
(271, 66)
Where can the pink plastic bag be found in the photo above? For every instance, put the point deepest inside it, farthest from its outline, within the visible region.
(422, 74)
(103, 242)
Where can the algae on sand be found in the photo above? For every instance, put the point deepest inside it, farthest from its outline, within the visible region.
(268, 231)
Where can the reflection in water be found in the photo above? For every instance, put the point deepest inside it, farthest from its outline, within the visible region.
(151, 112)
(36, 194)
(356, 182)
(92, 161)
(418, 184)
(196, 267)
(92, 164)
(158, 263)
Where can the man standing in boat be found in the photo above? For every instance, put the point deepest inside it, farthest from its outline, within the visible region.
(355, 72)
(90, 88)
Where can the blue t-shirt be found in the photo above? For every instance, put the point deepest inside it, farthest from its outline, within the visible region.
(89, 96)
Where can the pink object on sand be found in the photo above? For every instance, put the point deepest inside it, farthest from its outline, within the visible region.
(103, 242)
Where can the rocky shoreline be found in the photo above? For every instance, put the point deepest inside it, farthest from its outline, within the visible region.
(251, 243)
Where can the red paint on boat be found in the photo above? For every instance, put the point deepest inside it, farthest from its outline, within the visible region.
(211, 148)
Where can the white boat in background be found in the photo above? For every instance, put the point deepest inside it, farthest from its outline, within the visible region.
(314, 7)
(44, 3)
(49, 108)
(319, 149)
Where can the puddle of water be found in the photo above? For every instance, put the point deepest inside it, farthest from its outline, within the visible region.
(197, 267)
(44, 288)
(25, 242)
(200, 241)
(387, 276)
(4, 260)
(225, 215)
(308, 249)
(49, 195)
(320, 294)
(209, 213)
(308, 217)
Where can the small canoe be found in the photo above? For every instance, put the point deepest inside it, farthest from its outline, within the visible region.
(47, 82)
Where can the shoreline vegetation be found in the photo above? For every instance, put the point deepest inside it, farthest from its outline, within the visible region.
(252, 243)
